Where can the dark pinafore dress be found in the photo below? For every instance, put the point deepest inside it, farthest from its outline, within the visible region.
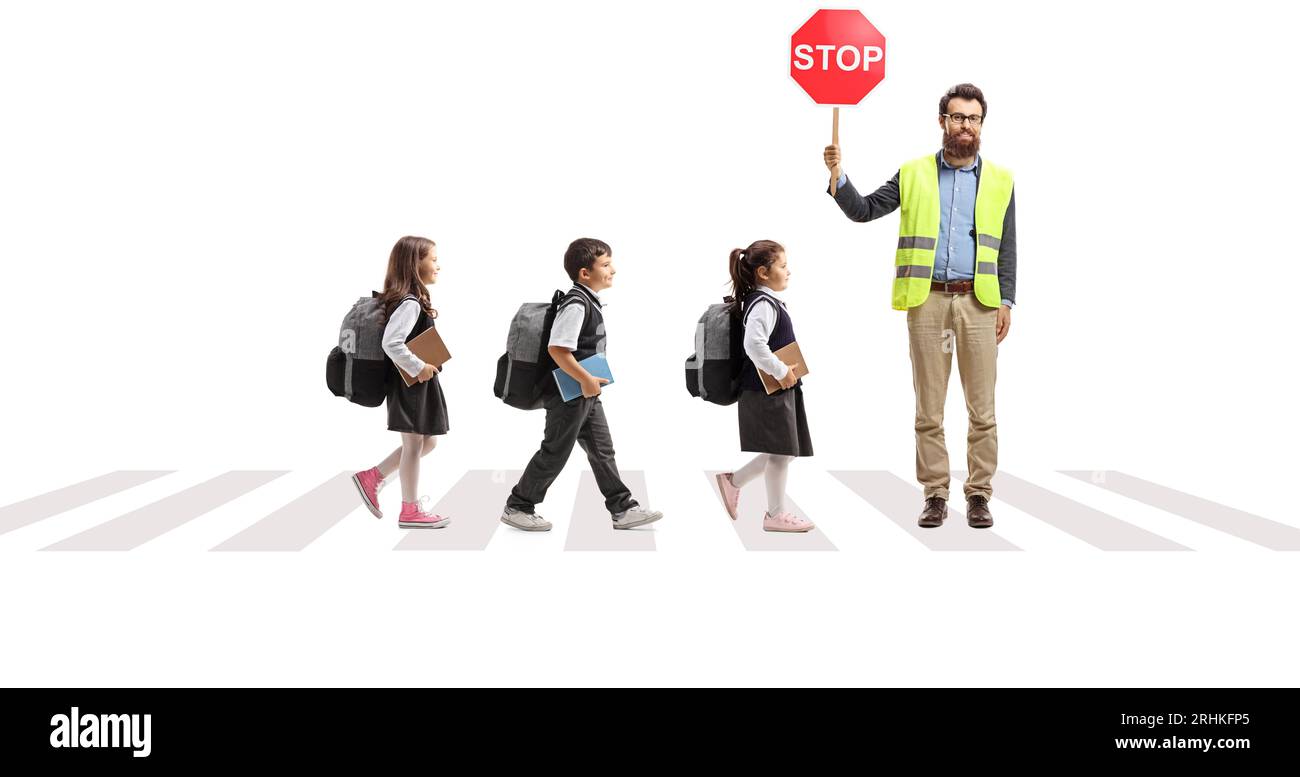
(420, 408)
(772, 423)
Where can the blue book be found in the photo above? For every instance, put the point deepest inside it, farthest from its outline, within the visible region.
(569, 387)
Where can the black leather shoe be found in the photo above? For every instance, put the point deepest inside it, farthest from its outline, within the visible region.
(936, 509)
(977, 512)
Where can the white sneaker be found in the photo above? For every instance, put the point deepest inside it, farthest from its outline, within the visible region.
(637, 516)
(525, 521)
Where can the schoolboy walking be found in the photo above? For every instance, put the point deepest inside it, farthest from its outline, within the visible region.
(578, 332)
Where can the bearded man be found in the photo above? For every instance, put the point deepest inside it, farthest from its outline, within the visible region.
(955, 275)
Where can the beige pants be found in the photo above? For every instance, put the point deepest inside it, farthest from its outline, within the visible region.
(942, 324)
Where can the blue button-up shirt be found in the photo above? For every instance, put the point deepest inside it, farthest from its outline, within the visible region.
(954, 254)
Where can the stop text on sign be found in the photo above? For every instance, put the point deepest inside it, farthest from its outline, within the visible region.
(845, 57)
(837, 56)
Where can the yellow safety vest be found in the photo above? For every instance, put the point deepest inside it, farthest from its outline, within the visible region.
(918, 230)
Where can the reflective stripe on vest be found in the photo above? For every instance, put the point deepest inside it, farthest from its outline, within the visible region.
(918, 230)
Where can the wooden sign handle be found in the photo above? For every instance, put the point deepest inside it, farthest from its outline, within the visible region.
(835, 141)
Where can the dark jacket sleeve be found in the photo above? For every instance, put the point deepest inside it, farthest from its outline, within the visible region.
(1007, 252)
(881, 202)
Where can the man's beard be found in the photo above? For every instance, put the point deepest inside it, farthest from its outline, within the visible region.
(960, 147)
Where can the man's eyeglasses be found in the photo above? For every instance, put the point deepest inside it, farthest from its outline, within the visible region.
(958, 119)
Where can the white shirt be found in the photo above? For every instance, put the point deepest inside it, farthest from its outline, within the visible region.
(399, 326)
(759, 323)
(568, 323)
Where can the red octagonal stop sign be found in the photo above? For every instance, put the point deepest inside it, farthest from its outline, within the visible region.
(837, 57)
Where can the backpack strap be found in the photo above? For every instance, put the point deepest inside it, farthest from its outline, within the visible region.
(403, 300)
(762, 297)
(573, 294)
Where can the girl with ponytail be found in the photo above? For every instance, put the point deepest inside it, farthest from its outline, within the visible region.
(774, 426)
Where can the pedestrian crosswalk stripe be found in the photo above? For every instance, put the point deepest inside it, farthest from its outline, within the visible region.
(1238, 523)
(131, 530)
(901, 503)
(862, 510)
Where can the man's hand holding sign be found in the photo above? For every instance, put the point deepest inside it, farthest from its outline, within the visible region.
(837, 57)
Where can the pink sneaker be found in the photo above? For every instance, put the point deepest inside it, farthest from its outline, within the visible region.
(369, 483)
(730, 494)
(787, 522)
(415, 516)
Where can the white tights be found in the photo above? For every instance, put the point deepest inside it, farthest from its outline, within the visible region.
(776, 470)
(407, 459)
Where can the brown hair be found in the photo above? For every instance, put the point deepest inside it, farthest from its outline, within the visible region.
(403, 277)
(966, 92)
(582, 254)
(744, 266)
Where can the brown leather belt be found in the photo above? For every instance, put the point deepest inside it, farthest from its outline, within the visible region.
(952, 287)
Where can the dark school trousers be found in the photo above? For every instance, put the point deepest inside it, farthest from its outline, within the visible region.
(580, 420)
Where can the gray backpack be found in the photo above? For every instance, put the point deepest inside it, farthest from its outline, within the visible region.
(525, 366)
(713, 371)
(357, 368)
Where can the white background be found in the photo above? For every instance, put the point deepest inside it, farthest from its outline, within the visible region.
(192, 196)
